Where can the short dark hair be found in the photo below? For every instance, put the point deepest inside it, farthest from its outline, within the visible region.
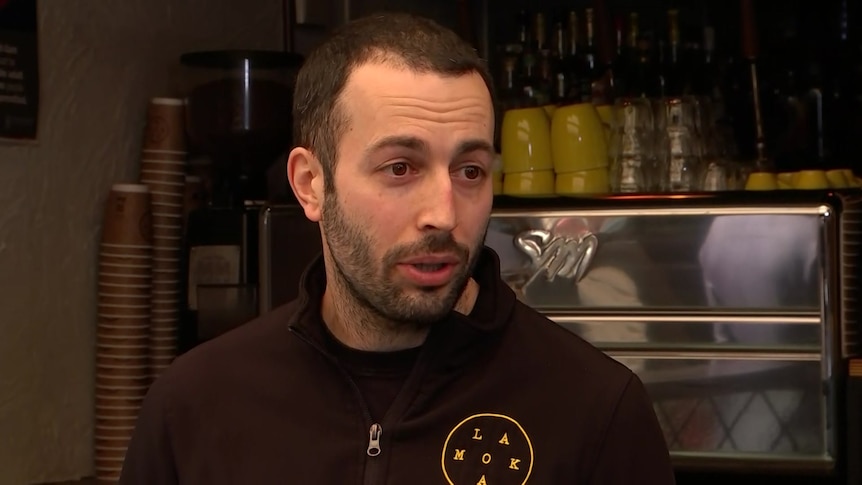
(402, 39)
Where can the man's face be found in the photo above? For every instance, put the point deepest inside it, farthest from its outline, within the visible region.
(413, 191)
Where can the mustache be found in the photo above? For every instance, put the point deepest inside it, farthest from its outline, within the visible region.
(435, 242)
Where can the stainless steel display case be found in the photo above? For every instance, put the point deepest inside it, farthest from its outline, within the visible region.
(738, 311)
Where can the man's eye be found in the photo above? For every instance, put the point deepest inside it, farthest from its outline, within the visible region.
(398, 169)
(472, 172)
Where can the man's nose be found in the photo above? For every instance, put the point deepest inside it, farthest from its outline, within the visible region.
(437, 204)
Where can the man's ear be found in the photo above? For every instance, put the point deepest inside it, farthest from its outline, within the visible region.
(306, 179)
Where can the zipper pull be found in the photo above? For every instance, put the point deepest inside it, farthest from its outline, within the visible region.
(374, 439)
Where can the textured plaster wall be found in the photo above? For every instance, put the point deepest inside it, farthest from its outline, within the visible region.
(100, 63)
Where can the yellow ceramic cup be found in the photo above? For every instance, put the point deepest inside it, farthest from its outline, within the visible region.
(851, 179)
(497, 181)
(529, 184)
(837, 180)
(784, 180)
(525, 141)
(593, 181)
(761, 181)
(811, 180)
(578, 139)
(786, 177)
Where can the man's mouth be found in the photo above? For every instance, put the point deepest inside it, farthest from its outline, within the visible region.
(431, 270)
(429, 267)
(432, 262)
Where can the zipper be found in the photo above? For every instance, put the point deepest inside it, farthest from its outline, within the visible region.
(374, 439)
(375, 430)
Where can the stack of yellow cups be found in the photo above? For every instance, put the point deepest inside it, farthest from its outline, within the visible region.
(579, 150)
(528, 169)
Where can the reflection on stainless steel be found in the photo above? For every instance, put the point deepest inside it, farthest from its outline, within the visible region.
(735, 316)
(557, 255)
(732, 406)
(764, 262)
(780, 251)
(701, 332)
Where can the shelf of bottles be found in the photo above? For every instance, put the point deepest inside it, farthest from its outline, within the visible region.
(604, 99)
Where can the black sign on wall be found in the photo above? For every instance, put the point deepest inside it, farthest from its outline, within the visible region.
(19, 69)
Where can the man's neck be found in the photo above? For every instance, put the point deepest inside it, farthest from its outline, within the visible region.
(357, 327)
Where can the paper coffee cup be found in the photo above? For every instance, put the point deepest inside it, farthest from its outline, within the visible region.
(126, 219)
(165, 126)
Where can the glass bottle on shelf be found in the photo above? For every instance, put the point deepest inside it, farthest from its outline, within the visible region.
(617, 75)
(624, 65)
(589, 61)
(572, 60)
(511, 93)
(596, 72)
(645, 78)
(541, 84)
(560, 75)
(672, 71)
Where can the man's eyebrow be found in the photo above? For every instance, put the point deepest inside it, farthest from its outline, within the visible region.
(403, 141)
(473, 146)
(419, 145)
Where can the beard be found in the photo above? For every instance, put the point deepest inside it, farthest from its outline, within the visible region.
(372, 284)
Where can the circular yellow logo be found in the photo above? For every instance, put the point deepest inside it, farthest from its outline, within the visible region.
(487, 449)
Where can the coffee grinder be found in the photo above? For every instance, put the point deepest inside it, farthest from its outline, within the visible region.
(238, 117)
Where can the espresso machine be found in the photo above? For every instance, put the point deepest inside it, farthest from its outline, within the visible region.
(239, 128)
(238, 122)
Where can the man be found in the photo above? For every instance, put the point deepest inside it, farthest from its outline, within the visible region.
(406, 359)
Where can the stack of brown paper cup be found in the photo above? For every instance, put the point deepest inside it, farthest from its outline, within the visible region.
(163, 169)
(122, 332)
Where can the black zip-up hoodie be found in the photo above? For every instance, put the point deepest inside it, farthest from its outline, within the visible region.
(502, 396)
